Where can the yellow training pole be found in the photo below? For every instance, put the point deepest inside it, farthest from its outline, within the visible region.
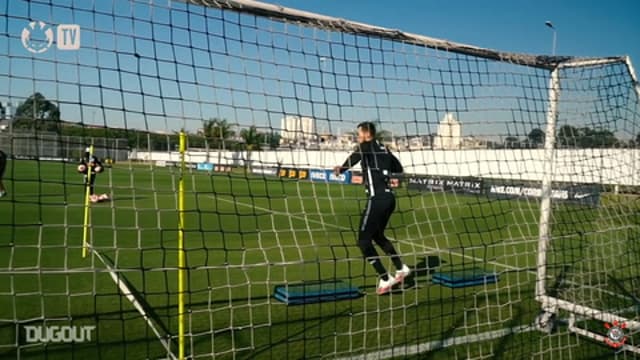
(181, 254)
(87, 193)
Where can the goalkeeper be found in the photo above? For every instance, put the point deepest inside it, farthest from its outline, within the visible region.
(377, 164)
(91, 165)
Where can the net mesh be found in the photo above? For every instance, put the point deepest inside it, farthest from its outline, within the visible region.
(270, 99)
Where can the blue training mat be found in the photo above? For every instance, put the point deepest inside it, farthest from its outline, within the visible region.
(316, 291)
(464, 277)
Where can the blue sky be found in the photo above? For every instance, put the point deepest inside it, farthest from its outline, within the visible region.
(196, 63)
(584, 27)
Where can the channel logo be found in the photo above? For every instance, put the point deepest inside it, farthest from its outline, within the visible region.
(37, 37)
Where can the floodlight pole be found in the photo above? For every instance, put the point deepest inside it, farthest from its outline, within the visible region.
(549, 24)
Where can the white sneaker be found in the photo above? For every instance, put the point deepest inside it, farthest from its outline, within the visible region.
(3, 194)
(402, 274)
(385, 286)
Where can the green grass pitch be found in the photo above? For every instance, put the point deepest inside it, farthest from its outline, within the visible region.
(246, 234)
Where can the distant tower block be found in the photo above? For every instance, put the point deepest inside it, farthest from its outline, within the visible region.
(297, 129)
(449, 134)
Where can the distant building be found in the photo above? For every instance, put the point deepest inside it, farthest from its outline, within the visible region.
(449, 135)
(472, 142)
(418, 142)
(326, 137)
(297, 130)
(347, 140)
(326, 140)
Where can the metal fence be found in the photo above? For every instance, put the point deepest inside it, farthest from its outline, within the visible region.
(53, 146)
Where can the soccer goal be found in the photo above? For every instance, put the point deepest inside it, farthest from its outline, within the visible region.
(219, 230)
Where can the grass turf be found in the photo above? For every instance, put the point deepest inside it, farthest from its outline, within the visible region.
(246, 234)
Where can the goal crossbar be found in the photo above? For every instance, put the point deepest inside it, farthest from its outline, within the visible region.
(300, 17)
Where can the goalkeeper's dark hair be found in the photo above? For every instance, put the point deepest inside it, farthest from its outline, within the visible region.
(369, 127)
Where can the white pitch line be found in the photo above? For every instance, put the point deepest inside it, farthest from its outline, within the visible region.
(426, 247)
(418, 348)
(439, 344)
(339, 227)
(129, 295)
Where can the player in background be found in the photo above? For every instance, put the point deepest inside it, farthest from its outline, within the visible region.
(378, 163)
(90, 164)
(3, 166)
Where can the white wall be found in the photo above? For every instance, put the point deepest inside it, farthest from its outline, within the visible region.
(607, 166)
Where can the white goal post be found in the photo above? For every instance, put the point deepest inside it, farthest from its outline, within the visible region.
(552, 304)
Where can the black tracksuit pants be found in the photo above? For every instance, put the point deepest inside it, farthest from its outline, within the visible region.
(373, 223)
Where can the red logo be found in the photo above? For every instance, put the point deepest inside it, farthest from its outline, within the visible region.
(615, 334)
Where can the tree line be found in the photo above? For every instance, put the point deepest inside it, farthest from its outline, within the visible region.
(572, 137)
(39, 114)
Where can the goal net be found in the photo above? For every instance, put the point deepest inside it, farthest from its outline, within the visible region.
(217, 125)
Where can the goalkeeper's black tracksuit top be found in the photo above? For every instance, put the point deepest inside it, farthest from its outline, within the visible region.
(377, 164)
